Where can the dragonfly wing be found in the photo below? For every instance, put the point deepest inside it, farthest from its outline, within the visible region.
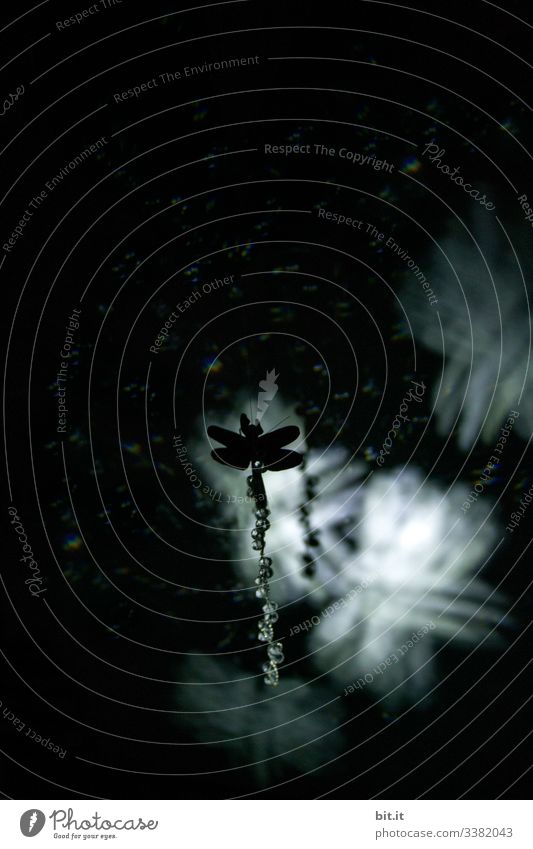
(278, 438)
(282, 459)
(230, 457)
(227, 437)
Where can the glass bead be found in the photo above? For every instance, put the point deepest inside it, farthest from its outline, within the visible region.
(257, 533)
(275, 654)
(249, 480)
(262, 512)
(271, 617)
(265, 561)
(261, 592)
(266, 632)
(262, 524)
(270, 607)
(265, 573)
(258, 545)
(309, 565)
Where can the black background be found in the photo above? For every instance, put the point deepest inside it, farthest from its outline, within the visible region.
(95, 667)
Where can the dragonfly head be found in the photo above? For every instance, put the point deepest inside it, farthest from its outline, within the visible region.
(249, 429)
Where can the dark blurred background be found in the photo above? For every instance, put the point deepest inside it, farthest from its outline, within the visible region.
(182, 193)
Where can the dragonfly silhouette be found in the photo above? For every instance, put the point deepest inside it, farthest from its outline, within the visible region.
(265, 452)
(254, 446)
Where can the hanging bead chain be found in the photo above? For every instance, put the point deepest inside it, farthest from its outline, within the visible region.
(310, 536)
(270, 615)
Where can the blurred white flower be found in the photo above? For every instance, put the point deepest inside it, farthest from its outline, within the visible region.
(416, 566)
(394, 553)
(265, 736)
(485, 341)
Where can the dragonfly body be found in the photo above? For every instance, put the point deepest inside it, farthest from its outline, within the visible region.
(253, 446)
(265, 452)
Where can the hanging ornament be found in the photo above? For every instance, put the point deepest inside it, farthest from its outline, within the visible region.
(265, 452)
